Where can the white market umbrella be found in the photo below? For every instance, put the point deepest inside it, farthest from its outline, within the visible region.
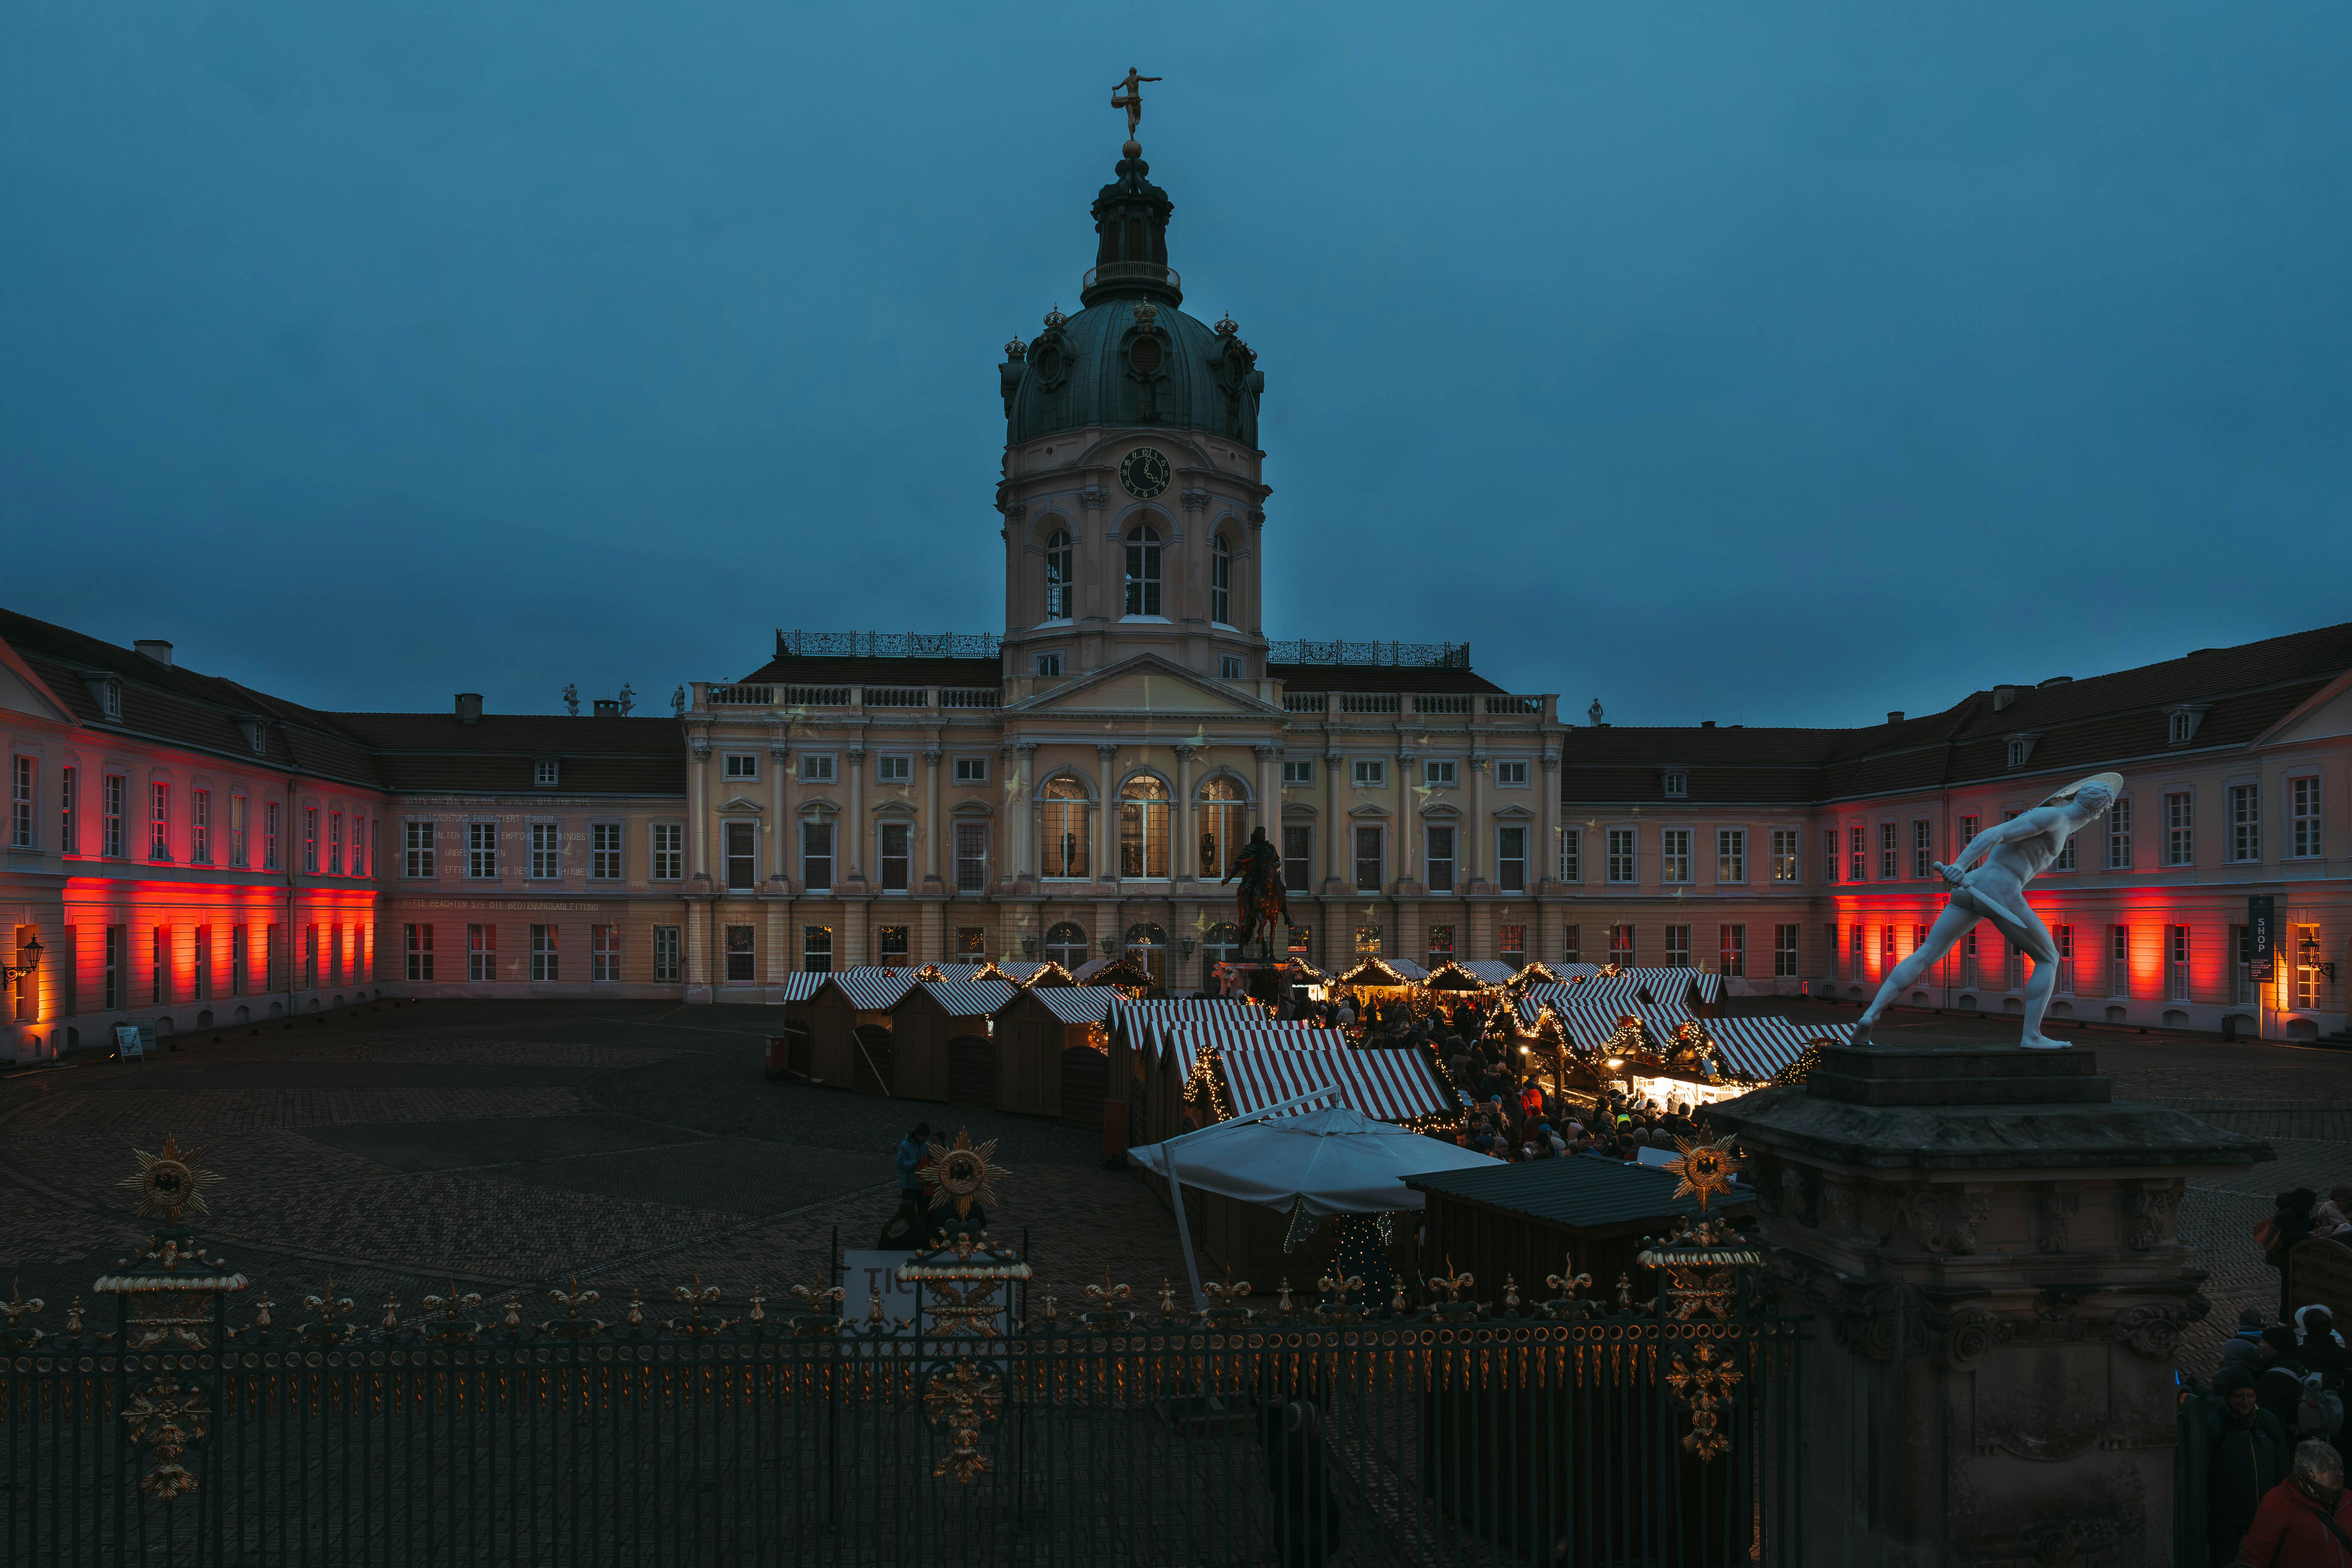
(1335, 1160)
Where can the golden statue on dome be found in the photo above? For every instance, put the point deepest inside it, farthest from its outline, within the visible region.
(1131, 100)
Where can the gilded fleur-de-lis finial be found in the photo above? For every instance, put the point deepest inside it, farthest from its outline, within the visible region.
(15, 1339)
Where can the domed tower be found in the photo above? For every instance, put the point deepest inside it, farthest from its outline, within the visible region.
(1131, 494)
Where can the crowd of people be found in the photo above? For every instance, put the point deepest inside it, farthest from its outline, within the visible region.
(2274, 1480)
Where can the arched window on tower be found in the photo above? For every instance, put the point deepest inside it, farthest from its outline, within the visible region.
(1142, 569)
(1224, 826)
(1067, 828)
(1057, 576)
(1143, 828)
(1221, 579)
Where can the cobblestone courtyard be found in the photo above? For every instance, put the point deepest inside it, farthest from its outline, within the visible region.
(508, 1146)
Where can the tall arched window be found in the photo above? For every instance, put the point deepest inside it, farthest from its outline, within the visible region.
(1142, 569)
(1066, 944)
(1067, 828)
(1224, 826)
(1143, 828)
(1220, 944)
(1147, 944)
(1221, 579)
(1057, 577)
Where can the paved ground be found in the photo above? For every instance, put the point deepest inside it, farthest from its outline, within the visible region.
(509, 1146)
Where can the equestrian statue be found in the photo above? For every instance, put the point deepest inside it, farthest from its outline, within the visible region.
(1261, 909)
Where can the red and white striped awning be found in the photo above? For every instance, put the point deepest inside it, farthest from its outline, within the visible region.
(1141, 1024)
(971, 998)
(874, 990)
(1078, 1004)
(1184, 1043)
(1753, 1049)
(1385, 1085)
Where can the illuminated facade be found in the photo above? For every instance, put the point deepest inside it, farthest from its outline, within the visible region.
(196, 855)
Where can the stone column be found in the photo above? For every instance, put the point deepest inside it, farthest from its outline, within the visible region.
(1336, 848)
(1106, 823)
(1548, 834)
(1021, 814)
(699, 779)
(1188, 859)
(933, 827)
(1990, 1247)
(1473, 834)
(780, 823)
(1406, 860)
(852, 851)
(1269, 790)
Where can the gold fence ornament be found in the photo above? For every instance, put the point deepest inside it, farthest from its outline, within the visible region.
(1225, 1310)
(822, 1307)
(963, 1400)
(963, 1173)
(1703, 1170)
(1702, 1264)
(169, 1182)
(165, 1419)
(698, 1298)
(573, 1326)
(1567, 1282)
(1705, 1389)
(1109, 1300)
(390, 1323)
(330, 1328)
(448, 1327)
(16, 1337)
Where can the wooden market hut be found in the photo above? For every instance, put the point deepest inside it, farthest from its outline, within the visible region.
(1053, 1054)
(1028, 971)
(849, 1028)
(1536, 972)
(1528, 1221)
(1385, 983)
(1130, 977)
(940, 1046)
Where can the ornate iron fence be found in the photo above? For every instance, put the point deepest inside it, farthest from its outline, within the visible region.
(1318, 1429)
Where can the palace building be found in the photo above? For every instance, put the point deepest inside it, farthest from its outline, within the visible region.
(186, 852)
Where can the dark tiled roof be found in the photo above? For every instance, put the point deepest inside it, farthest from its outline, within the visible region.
(2076, 725)
(1585, 1192)
(796, 671)
(498, 753)
(1376, 677)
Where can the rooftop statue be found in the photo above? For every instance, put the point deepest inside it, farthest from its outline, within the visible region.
(2006, 856)
(1131, 100)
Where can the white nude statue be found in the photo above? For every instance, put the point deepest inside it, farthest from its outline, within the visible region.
(2006, 856)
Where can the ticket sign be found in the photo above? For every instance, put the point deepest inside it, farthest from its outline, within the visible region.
(133, 1039)
(2261, 935)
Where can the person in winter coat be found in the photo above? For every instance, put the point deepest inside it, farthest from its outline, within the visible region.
(2306, 1520)
(2278, 1380)
(2318, 1344)
(2249, 1457)
(2242, 1348)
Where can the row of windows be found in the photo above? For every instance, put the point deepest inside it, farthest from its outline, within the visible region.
(220, 962)
(545, 961)
(820, 767)
(217, 832)
(1965, 968)
(1678, 855)
(1141, 580)
(543, 857)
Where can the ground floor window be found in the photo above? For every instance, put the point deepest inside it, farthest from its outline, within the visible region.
(238, 938)
(2176, 966)
(115, 939)
(1784, 950)
(1621, 945)
(2309, 994)
(1511, 944)
(418, 940)
(1571, 948)
(604, 953)
(971, 942)
(890, 945)
(1302, 938)
(200, 966)
(310, 958)
(2063, 936)
(481, 953)
(1368, 940)
(545, 961)
(1732, 950)
(816, 949)
(666, 965)
(739, 956)
(1441, 945)
(1678, 947)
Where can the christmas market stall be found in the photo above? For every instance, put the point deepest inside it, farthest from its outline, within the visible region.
(1583, 1221)
(1028, 971)
(791, 1052)
(1131, 979)
(941, 1043)
(849, 1027)
(1138, 1062)
(1307, 1193)
(1052, 1055)
(1383, 989)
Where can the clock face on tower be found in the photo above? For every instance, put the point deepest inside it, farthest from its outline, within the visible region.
(1144, 473)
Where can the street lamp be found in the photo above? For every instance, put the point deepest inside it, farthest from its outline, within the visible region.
(31, 952)
(2310, 954)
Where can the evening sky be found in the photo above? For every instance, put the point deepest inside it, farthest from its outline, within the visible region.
(1763, 363)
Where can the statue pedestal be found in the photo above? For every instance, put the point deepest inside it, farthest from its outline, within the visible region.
(1987, 1242)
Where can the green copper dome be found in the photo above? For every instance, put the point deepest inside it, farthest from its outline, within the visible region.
(1130, 357)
